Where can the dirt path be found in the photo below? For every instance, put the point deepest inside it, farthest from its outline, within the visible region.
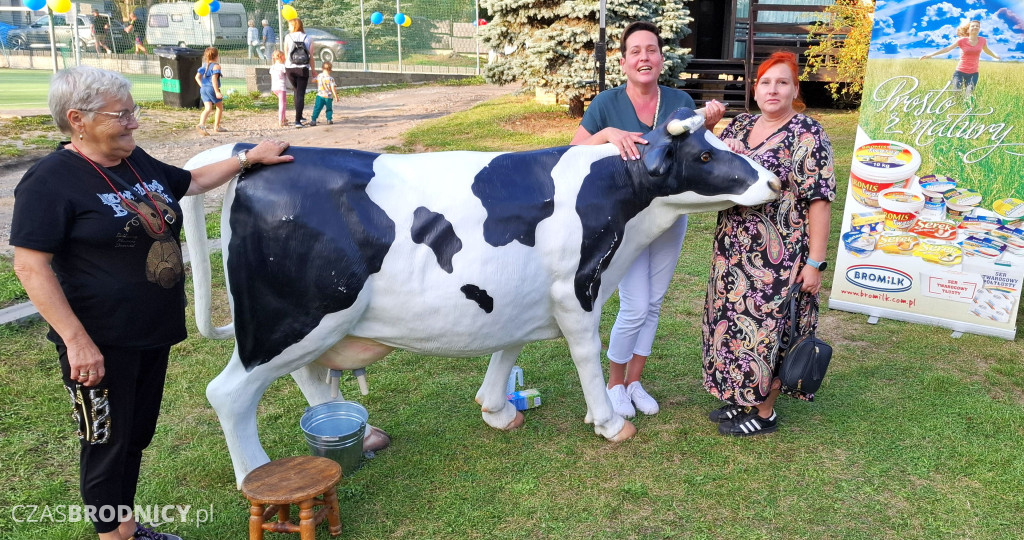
(368, 122)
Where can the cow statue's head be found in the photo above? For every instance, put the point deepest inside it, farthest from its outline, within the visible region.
(686, 161)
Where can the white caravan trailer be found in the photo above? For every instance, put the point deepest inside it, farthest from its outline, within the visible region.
(176, 24)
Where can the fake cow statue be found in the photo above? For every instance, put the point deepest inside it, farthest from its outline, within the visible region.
(342, 256)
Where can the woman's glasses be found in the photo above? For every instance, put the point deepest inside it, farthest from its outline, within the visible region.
(123, 117)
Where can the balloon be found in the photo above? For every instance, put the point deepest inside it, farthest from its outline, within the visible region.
(286, 1)
(289, 13)
(214, 6)
(59, 6)
(408, 21)
(201, 9)
(35, 5)
(482, 22)
(376, 18)
(399, 18)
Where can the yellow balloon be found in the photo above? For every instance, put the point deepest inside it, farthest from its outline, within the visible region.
(408, 21)
(59, 6)
(201, 8)
(289, 13)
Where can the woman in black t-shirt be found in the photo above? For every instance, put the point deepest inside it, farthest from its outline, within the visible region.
(95, 235)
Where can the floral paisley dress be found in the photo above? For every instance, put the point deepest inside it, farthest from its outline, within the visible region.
(758, 252)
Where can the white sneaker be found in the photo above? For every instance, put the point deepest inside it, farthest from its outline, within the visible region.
(643, 401)
(620, 401)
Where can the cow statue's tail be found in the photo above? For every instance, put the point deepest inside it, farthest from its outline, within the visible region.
(199, 253)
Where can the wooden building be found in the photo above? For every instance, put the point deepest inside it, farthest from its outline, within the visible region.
(731, 37)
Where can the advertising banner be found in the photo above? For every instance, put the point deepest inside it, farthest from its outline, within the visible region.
(933, 224)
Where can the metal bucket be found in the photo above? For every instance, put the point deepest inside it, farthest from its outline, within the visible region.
(334, 430)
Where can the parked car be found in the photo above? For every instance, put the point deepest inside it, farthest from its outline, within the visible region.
(328, 44)
(37, 34)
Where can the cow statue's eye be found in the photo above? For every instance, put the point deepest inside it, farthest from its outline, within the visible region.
(705, 156)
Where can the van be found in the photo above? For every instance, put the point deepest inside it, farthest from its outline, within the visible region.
(175, 23)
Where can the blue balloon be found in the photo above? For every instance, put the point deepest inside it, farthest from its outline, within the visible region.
(399, 18)
(286, 1)
(214, 6)
(376, 18)
(35, 5)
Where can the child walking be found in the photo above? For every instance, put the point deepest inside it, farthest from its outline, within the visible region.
(277, 77)
(325, 92)
(208, 77)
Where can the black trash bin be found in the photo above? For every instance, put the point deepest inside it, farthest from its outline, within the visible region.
(178, 66)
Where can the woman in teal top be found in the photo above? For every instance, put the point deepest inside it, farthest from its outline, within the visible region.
(621, 116)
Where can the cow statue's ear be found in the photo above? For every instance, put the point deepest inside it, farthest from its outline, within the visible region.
(657, 160)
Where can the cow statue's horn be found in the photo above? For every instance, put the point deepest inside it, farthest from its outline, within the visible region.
(691, 124)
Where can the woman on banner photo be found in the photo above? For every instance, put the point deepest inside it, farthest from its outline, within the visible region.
(972, 45)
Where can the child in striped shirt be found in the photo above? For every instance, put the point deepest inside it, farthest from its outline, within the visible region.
(325, 93)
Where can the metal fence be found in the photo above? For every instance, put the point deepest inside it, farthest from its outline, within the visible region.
(434, 36)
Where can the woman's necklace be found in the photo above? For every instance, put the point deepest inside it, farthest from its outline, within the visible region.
(126, 202)
(657, 109)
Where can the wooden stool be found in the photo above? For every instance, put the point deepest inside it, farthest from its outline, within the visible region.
(307, 481)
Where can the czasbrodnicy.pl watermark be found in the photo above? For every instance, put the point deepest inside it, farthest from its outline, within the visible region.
(70, 513)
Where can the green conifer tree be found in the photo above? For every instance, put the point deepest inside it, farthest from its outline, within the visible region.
(549, 44)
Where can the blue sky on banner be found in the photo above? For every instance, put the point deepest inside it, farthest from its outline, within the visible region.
(911, 28)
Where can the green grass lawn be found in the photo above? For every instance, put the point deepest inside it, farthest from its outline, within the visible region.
(915, 435)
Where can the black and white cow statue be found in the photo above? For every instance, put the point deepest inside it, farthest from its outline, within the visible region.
(342, 256)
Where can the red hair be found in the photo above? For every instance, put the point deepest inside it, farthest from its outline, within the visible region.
(787, 59)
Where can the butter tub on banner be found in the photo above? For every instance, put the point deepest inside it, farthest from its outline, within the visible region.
(525, 399)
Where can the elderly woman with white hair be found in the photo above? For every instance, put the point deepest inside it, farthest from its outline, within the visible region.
(96, 245)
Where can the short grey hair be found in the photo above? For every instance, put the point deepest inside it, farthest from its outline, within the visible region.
(84, 88)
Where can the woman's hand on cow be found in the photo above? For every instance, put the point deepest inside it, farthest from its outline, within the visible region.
(269, 152)
(735, 145)
(625, 141)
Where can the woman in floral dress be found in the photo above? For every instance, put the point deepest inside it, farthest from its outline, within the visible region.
(760, 251)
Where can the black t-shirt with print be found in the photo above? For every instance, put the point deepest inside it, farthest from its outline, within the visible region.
(122, 274)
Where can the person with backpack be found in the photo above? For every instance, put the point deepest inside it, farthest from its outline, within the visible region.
(298, 64)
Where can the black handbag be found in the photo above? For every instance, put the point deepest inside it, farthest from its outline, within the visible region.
(806, 357)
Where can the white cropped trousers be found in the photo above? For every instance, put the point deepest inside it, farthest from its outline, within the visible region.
(641, 292)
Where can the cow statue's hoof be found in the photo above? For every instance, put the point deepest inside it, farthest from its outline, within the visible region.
(375, 439)
(627, 431)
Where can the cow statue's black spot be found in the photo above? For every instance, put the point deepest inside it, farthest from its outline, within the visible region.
(615, 191)
(517, 191)
(437, 233)
(305, 237)
(479, 296)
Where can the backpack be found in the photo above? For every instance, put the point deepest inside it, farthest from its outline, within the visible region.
(299, 55)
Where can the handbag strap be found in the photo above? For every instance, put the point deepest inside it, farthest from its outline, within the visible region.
(791, 305)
